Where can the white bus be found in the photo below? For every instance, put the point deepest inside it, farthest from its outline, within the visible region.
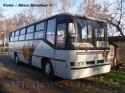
(65, 45)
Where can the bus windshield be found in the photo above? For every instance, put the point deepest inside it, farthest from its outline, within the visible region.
(86, 33)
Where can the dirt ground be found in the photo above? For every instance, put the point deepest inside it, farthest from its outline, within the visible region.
(27, 79)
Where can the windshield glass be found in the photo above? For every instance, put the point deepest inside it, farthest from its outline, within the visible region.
(85, 33)
(101, 35)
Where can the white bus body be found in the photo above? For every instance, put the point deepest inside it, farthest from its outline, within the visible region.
(67, 63)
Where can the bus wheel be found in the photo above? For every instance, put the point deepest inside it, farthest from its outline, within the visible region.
(17, 60)
(48, 70)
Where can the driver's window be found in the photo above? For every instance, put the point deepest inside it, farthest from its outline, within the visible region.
(60, 40)
(84, 33)
(72, 33)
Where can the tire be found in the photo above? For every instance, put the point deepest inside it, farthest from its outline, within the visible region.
(48, 71)
(17, 60)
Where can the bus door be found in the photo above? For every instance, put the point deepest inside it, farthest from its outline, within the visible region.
(60, 53)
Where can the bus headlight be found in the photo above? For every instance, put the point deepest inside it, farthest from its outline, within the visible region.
(76, 63)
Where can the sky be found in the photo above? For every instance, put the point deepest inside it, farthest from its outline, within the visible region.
(10, 11)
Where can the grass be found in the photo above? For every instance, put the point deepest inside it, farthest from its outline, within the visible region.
(112, 82)
(113, 78)
(115, 74)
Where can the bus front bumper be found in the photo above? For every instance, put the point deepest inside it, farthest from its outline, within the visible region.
(77, 73)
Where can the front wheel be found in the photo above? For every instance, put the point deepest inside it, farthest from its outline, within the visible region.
(48, 70)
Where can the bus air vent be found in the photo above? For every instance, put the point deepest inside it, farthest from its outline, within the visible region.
(100, 61)
(90, 62)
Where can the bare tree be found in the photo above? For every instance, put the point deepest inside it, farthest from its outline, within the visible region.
(54, 6)
(66, 4)
(107, 12)
(23, 18)
(2, 20)
(47, 8)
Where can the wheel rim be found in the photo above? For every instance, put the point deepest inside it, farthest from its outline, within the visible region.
(47, 68)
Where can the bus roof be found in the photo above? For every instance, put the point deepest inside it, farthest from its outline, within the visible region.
(61, 14)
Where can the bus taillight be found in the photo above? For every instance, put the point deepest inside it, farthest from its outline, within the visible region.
(104, 54)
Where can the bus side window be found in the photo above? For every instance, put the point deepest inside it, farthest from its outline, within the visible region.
(17, 33)
(12, 35)
(60, 39)
(39, 32)
(51, 28)
(23, 31)
(29, 36)
(30, 29)
(16, 36)
(22, 37)
(11, 38)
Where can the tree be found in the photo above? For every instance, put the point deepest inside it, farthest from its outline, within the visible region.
(47, 8)
(54, 6)
(66, 5)
(2, 21)
(23, 18)
(107, 12)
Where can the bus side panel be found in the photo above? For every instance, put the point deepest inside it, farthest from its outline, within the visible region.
(21, 51)
(36, 61)
(41, 49)
(62, 63)
(28, 51)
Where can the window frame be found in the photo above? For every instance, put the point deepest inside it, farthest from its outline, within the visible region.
(38, 24)
(53, 18)
(15, 38)
(65, 32)
(22, 35)
(18, 33)
(42, 30)
(28, 34)
(12, 34)
(29, 27)
(21, 30)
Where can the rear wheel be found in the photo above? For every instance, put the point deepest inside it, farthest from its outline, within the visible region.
(48, 70)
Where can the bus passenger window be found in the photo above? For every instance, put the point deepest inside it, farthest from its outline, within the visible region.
(51, 27)
(29, 36)
(39, 32)
(60, 40)
(11, 38)
(17, 33)
(40, 26)
(21, 37)
(30, 29)
(12, 34)
(22, 31)
(15, 38)
(38, 35)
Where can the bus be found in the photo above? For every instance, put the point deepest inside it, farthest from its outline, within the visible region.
(66, 45)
